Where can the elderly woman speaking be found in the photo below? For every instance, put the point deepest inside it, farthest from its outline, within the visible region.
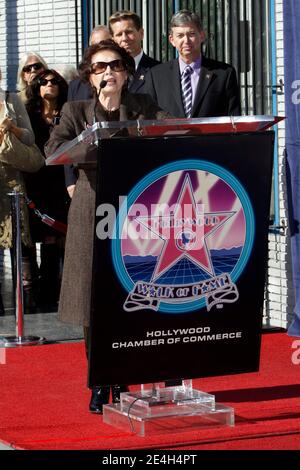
(108, 67)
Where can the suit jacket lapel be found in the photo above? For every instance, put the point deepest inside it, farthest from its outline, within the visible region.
(130, 108)
(123, 112)
(128, 103)
(126, 113)
(205, 78)
(93, 111)
(139, 77)
(175, 84)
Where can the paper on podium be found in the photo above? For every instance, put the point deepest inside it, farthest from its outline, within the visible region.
(84, 148)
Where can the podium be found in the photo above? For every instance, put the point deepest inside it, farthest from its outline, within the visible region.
(180, 252)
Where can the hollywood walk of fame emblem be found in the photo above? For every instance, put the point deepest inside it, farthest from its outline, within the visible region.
(185, 238)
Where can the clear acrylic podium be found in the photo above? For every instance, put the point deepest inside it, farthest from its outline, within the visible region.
(155, 408)
(83, 149)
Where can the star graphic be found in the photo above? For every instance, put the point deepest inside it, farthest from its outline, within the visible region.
(184, 232)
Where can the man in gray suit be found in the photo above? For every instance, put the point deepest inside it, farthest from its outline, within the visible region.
(211, 86)
(208, 89)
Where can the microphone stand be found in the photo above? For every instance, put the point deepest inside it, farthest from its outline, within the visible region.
(103, 84)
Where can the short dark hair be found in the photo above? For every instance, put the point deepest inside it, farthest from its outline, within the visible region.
(183, 17)
(125, 15)
(107, 45)
(34, 102)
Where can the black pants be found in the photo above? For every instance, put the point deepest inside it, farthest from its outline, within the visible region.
(50, 272)
(86, 334)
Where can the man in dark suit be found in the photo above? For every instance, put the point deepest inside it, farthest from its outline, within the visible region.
(211, 88)
(126, 29)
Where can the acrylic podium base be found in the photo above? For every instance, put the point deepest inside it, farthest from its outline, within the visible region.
(163, 410)
(16, 341)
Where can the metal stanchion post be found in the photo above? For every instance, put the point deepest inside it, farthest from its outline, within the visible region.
(19, 339)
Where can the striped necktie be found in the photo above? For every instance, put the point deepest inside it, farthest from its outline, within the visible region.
(186, 88)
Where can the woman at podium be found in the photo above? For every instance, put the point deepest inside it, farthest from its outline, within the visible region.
(108, 67)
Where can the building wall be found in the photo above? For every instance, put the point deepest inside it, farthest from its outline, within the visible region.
(48, 28)
(279, 292)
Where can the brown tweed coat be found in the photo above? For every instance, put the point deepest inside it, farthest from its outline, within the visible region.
(74, 304)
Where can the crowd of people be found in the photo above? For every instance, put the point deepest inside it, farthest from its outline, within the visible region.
(136, 87)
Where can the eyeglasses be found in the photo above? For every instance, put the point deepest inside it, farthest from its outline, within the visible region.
(45, 81)
(115, 65)
(35, 66)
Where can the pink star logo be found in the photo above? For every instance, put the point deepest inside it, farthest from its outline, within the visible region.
(184, 232)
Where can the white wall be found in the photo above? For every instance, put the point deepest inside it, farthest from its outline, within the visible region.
(279, 293)
(47, 27)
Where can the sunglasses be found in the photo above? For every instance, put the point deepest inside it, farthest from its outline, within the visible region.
(36, 66)
(115, 65)
(45, 81)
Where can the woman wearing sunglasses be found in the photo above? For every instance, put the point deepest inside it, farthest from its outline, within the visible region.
(45, 97)
(30, 65)
(108, 68)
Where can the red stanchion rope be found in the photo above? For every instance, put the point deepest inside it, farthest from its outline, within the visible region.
(55, 224)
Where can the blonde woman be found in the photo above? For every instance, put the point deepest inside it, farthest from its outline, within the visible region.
(30, 66)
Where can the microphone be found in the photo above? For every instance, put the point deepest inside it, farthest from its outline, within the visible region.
(102, 85)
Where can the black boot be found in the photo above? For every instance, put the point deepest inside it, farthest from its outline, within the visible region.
(116, 390)
(100, 397)
(49, 277)
(173, 383)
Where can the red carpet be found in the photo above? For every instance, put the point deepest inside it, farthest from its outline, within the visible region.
(44, 404)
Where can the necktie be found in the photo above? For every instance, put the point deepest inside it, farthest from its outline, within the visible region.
(186, 88)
